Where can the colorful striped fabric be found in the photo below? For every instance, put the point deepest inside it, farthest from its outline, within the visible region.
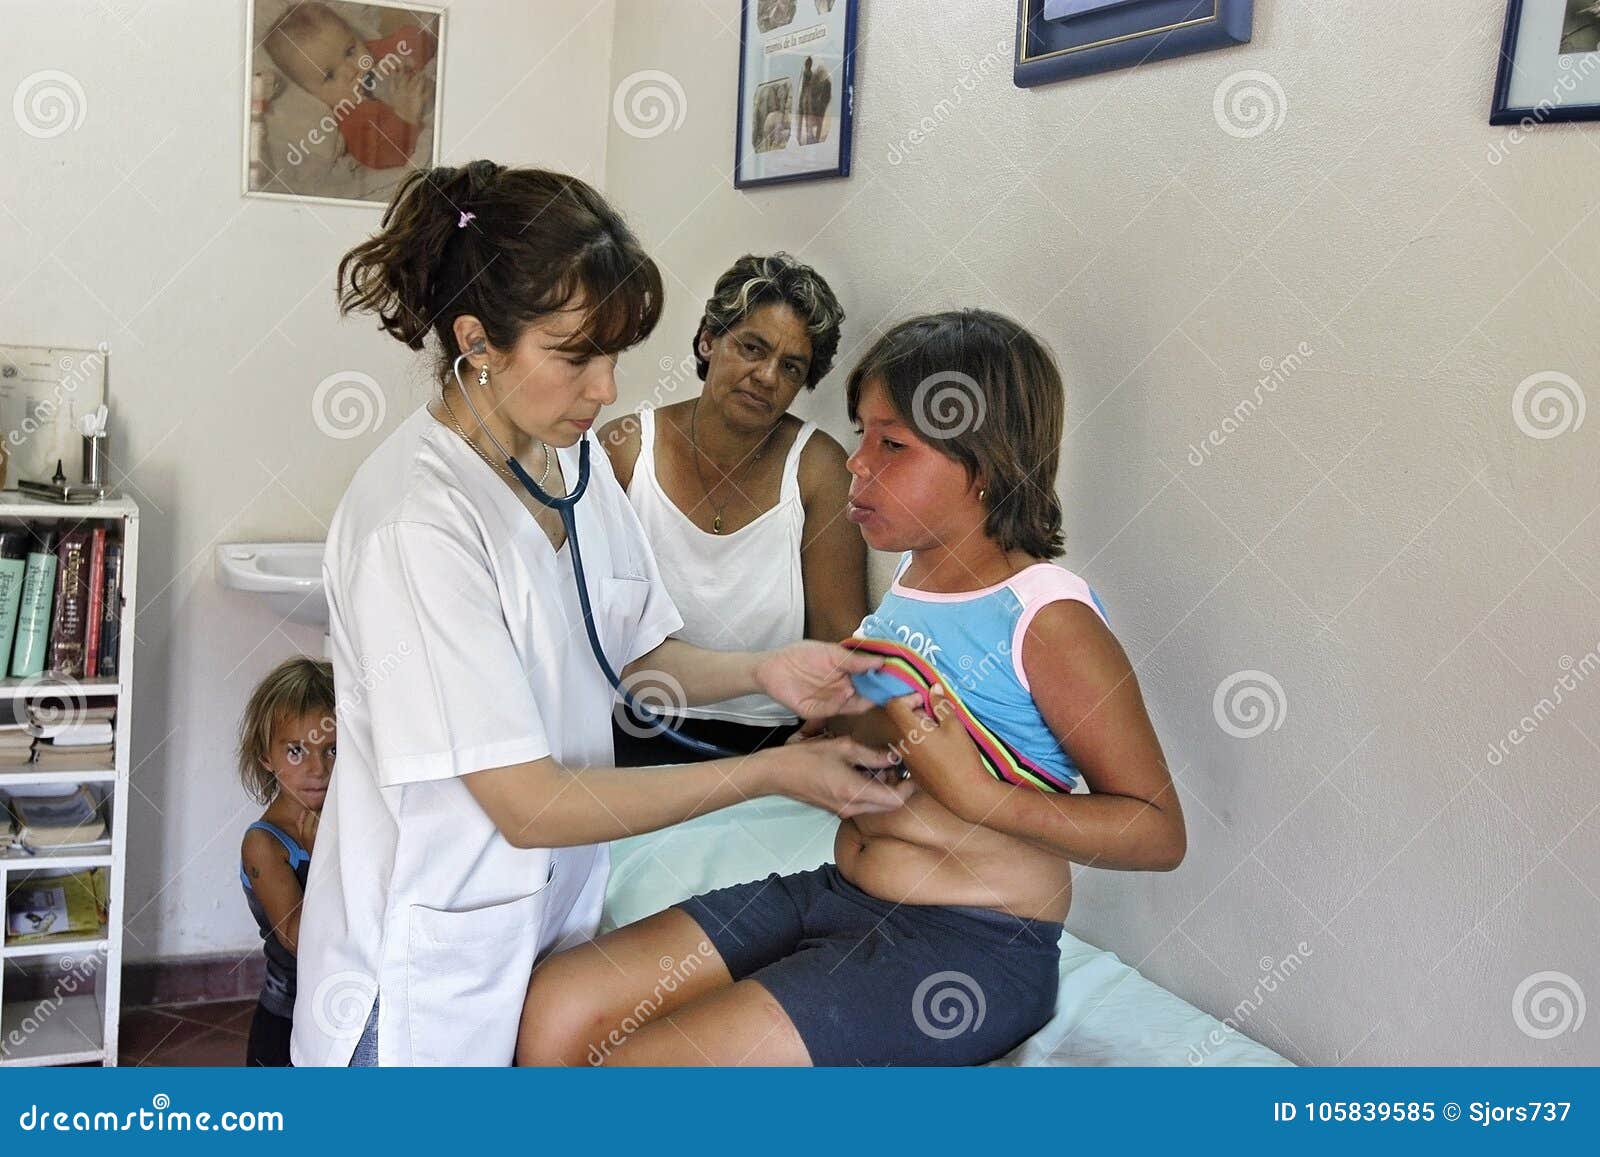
(905, 672)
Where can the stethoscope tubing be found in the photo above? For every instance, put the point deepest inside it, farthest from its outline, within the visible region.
(566, 507)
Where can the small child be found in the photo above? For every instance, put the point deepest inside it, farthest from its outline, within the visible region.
(325, 56)
(286, 752)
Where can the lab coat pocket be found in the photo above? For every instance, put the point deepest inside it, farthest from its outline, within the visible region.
(466, 976)
(622, 603)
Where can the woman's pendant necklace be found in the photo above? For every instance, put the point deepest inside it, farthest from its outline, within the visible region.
(717, 512)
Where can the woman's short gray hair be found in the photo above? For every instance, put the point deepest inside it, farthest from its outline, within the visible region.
(754, 281)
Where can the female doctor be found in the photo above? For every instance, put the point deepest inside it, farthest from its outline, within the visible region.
(465, 833)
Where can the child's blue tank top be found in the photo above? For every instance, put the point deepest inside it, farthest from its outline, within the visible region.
(974, 640)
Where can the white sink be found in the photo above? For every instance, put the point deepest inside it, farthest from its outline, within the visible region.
(288, 575)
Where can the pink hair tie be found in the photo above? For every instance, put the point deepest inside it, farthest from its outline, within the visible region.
(465, 217)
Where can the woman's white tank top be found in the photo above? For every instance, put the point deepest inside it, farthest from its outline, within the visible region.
(740, 591)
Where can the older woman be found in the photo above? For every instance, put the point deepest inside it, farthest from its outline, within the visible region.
(742, 502)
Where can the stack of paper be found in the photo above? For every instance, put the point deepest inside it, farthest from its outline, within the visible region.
(70, 819)
(16, 745)
(84, 740)
(81, 726)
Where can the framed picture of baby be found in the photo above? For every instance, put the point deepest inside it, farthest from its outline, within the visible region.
(342, 98)
(796, 78)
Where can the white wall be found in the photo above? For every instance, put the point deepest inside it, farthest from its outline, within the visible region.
(1379, 537)
(220, 316)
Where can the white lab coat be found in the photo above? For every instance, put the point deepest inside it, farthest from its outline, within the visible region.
(458, 645)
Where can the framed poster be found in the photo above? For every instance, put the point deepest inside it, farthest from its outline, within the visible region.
(1549, 63)
(796, 89)
(341, 98)
(1057, 39)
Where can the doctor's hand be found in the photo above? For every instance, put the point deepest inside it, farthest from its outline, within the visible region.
(812, 678)
(837, 774)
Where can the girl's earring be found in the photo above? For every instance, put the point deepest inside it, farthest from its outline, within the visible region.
(981, 492)
(483, 375)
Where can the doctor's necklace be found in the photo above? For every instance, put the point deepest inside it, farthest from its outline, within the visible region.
(716, 521)
(499, 467)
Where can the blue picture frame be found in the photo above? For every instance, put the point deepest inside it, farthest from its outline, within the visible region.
(1515, 57)
(750, 169)
(1114, 34)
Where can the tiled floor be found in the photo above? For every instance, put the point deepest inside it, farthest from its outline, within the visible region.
(186, 1034)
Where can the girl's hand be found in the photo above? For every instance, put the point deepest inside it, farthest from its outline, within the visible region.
(944, 761)
(812, 678)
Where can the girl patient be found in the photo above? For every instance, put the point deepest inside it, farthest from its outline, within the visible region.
(932, 938)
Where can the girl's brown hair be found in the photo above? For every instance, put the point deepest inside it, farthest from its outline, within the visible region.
(984, 391)
(293, 689)
(507, 246)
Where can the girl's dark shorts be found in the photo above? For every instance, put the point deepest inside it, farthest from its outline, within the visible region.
(870, 982)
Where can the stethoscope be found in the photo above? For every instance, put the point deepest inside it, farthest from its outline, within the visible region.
(567, 509)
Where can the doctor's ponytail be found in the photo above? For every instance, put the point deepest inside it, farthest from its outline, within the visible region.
(507, 246)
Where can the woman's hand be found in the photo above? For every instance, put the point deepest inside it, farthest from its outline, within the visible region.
(812, 678)
(839, 775)
(944, 761)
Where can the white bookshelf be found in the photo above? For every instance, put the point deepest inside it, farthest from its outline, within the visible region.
(74, 1019)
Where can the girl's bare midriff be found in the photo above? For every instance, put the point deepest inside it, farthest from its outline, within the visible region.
(923, 853)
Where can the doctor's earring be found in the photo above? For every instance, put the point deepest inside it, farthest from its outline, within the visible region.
(483, 375)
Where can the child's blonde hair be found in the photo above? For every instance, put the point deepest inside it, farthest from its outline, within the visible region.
(292, 689)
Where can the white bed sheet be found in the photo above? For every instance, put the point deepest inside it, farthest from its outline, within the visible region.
(1106, 1012)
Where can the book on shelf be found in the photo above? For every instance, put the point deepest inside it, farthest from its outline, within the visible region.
(69, 621)
(16, 744)
(69, 819)
(60, 599)
(110, 611)
(13, 566)
(83, 757)
(97, 579)
(67, 906)
(33, 612)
